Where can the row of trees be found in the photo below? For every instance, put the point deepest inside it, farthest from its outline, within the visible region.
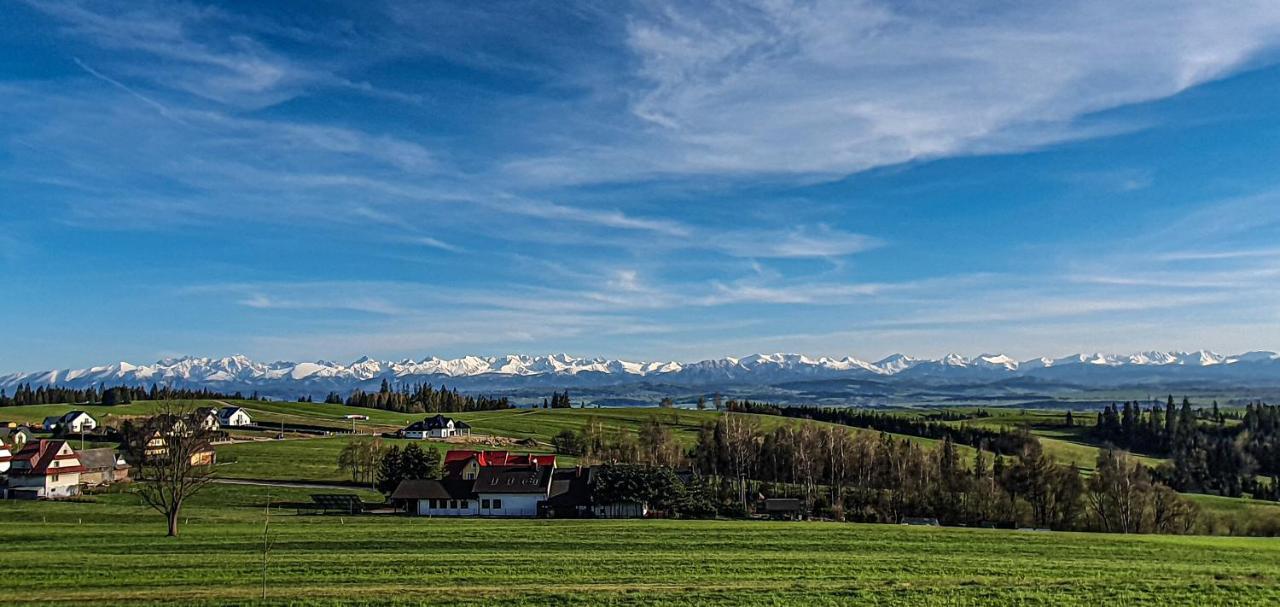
(419, 398)
(871, 477)
(1000, 441)
(370, 462)
(1208, 454)
(24, 394)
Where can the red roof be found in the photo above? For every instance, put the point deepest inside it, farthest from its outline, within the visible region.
(41, 454)
(454, 460)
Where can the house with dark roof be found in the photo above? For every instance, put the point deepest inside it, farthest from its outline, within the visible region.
(72, 422)
(102, 467)
(437, 426)
(430, 497)
(15, 436)
(512, 490)
(234, 416)
(489, 490)
(45, 468)
(207, 418)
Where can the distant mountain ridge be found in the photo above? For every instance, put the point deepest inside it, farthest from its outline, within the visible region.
(512, 371)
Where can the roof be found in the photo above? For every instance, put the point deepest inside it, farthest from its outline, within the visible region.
(439, 421)
(74, 414)
(98, 459)
(781, 504)
(41, 454)
(422, 489)
(456, 459)
(229, 411)
(514, 479)
(570, 487)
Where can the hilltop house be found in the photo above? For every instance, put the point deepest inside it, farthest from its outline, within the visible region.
(73, 422)
(438, 426)
(234, 416)
(45, 469)
(102, 467)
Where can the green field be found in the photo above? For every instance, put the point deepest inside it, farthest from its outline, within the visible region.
(114, 552)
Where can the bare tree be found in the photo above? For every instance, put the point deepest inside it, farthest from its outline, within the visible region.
(174, 458)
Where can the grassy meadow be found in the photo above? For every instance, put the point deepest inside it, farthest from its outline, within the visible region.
(117, 553)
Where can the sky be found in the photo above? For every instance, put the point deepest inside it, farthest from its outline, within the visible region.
(641, 180)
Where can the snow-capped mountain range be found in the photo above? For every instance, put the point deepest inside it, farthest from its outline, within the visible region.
(561, 370)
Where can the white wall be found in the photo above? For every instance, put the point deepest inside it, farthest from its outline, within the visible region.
(472, 508)
(518, 504)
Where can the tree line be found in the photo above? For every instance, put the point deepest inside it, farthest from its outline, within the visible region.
(875, 477)
(1207, 454)
(418, 398)
(102, 394)
(999, 441)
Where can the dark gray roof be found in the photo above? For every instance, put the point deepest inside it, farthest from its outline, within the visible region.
(433, 489)
(781, 504)
(514, 479)
(98, 459)
(570, 487)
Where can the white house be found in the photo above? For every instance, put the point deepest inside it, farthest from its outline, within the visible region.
(234, 416)
(45, 469)
(6, 457)
(207, 418)
(512, 490)
(436, 427)
(431, 497)
(74, 422)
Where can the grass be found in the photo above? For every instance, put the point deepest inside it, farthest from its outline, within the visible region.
(117, 554)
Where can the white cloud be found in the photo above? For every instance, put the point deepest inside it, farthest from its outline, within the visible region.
(838, 86)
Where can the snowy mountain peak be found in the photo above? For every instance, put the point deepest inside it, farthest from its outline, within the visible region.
(241, 373)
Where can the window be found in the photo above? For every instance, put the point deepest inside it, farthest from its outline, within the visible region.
(55, 478)
(462, 504)
(484, 504)
(497, 504)
(453, 504)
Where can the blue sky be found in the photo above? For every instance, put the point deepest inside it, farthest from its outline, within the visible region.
(641, 180)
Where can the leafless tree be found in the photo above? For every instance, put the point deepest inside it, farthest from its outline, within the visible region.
(173, 454)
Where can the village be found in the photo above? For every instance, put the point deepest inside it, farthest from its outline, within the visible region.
(42, 462)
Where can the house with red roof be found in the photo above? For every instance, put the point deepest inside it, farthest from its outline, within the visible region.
(45, 469)
(466, 464)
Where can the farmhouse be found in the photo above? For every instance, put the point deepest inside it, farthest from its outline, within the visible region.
(74, 422)
(234, 417)
(102, 467)
(207, 418)
(438, 426)
(45, 469)
(512, 490)
(430, 497)
(15, 436)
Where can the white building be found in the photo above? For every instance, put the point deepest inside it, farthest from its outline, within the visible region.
(45, 469)
(234, 416)
(499, 491)
(6, 457)
(207, 418)
(436, 427)
(74, 422)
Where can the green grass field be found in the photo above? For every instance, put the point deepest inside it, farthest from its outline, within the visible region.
(114, 552)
